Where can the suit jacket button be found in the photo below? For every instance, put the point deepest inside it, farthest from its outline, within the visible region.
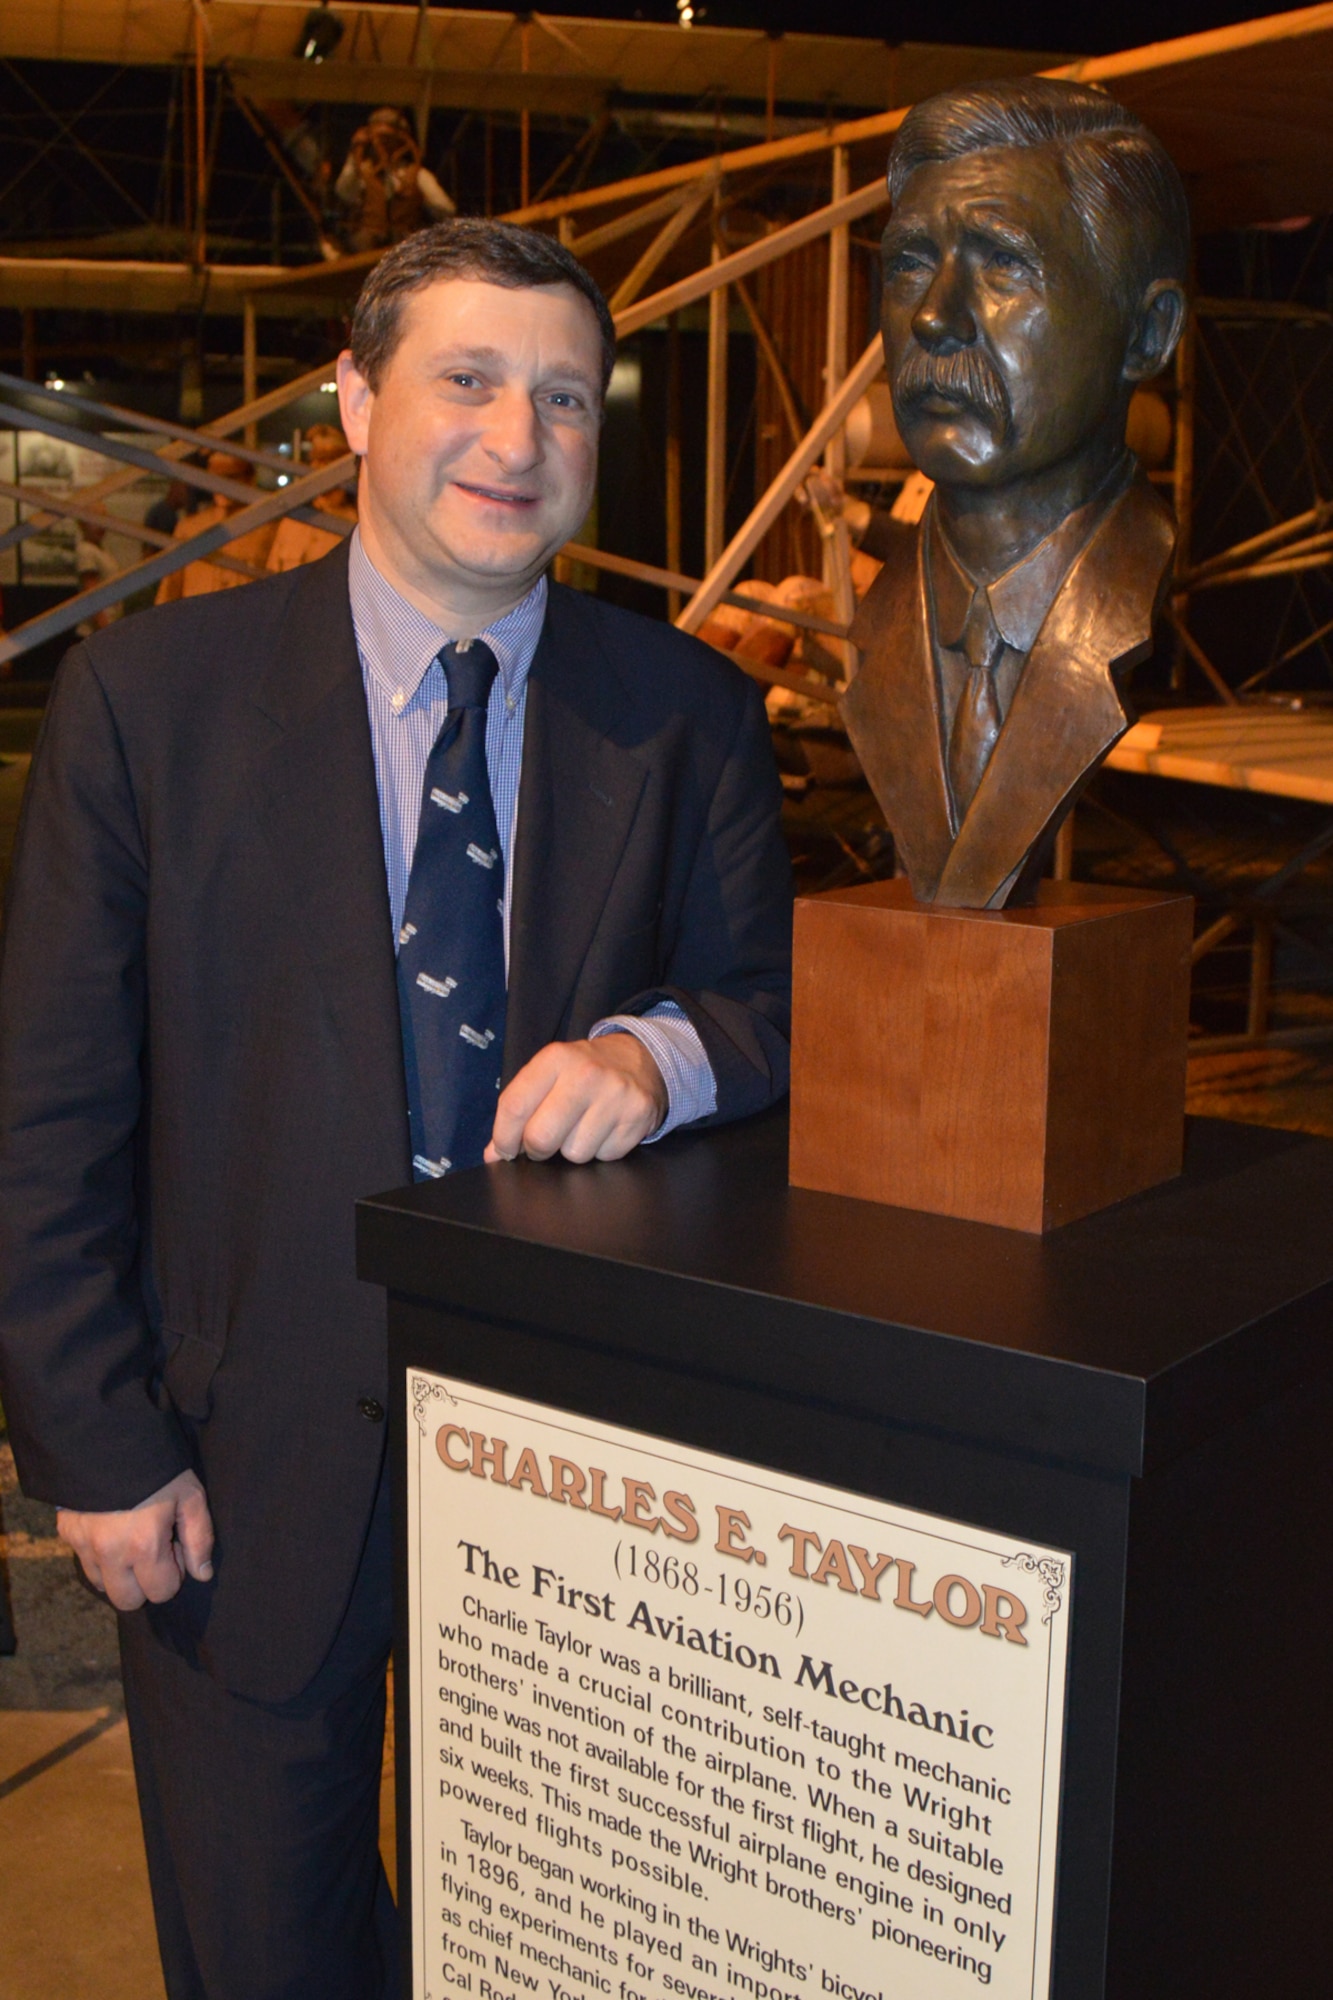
(372, 1411)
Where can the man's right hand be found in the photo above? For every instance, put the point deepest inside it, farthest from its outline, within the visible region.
(143, 1554)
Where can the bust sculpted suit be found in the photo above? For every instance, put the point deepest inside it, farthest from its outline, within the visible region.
(1032, 277)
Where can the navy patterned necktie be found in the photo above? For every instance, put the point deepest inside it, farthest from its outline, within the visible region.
(451, 965)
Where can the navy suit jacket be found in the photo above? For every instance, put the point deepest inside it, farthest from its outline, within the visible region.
(200, 1054)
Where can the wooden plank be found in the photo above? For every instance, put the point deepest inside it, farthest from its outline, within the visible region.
(1280, 565)
(673, 464)
(761, 518)
(1271, 28)
(835, 352)
(753, 257)
(666, 238)
(250, 366)
(1281, 754)
(277, 79)
(1189, 644)
(1271, 538)
(837, 545)
(672, 579)
(764, 342)
(593, 240)
(715, 422)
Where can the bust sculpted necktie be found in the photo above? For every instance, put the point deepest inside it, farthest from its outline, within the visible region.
(976, 724)
(451, 967)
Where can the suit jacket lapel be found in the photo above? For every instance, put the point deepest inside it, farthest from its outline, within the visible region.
(317, 805)
(1067, 710)
(579, 793)
(891, 711)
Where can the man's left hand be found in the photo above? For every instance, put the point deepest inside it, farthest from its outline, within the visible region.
(588, 1100)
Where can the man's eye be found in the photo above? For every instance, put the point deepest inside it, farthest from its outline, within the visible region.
(461, 380)
(1007, 261)
(905, 261)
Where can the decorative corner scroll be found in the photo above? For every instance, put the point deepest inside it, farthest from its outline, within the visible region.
(425, 1391)
(1052, 1573)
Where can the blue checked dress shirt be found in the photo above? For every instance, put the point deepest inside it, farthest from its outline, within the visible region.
(407, 701)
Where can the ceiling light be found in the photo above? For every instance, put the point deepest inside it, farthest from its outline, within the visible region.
(320, 35)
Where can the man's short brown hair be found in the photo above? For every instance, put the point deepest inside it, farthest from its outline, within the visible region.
(499, 253)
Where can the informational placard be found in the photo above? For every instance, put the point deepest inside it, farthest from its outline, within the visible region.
(685, 1728)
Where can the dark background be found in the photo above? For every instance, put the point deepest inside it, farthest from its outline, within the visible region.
(1037, 24)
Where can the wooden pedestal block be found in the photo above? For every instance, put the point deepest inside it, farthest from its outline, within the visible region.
(1020, 1067)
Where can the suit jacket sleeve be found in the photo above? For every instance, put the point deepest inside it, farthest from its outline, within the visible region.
(77, 1353)
(729, 963)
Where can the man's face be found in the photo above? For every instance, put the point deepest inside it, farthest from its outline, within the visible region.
(1005, 344)
(480, 443)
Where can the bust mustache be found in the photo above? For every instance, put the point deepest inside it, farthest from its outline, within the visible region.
(967, 378)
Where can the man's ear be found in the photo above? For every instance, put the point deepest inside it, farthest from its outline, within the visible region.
(1158, 325)
(355, 397)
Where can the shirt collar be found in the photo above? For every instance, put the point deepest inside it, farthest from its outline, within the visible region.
(398, 643)
(1020, 599)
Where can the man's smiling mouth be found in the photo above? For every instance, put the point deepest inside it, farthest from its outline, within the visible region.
(505, 496)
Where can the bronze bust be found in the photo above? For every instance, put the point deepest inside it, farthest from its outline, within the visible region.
(1034, 269)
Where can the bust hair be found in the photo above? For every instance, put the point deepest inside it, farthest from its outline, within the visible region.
(1122, 182)
(497, 253)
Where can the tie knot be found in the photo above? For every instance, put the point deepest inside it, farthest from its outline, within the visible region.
(469, 673)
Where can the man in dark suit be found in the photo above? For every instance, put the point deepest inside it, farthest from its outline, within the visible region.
(232, 1001)
(1033, 276)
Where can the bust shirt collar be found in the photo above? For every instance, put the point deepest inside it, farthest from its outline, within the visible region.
(1020, 599)
(398, 643)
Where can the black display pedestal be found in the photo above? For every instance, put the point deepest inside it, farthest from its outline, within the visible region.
(1149, 1388)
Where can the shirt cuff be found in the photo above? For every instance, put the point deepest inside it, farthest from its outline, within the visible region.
(672, 1041)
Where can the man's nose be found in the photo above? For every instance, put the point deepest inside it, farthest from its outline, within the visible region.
(513, 434)
(944, 322)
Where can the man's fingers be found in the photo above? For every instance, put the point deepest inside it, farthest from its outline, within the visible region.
(555, 1118)
(134, 1576)
(123, 1593)
(158, 1577)
(141, 1554)
(194, 1536)
(586, 1100)
(90, 1570)
(606, 1129)
(71, 1530)
(110, 1579)
(624, 1136)
(517, 1102)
